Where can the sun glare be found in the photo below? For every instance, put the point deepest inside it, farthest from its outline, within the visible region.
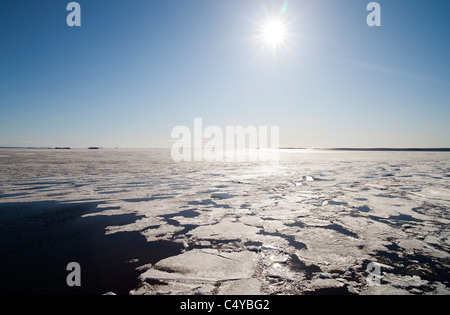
(274, 33)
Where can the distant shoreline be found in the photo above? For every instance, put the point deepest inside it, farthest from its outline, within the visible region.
(285, 148)
(375, 149)
(389, 149)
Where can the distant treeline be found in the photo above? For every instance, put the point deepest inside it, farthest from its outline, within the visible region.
(392, 149)
(48, 148)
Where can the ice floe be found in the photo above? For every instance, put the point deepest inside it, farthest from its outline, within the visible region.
(309, 225)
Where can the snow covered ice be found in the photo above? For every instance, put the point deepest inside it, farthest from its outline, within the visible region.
(309, 225)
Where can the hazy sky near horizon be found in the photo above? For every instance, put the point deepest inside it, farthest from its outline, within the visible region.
(134, 70)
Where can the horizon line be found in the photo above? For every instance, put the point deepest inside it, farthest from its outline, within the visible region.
(387, 149)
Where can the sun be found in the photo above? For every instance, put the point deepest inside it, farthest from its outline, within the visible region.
(274, 33)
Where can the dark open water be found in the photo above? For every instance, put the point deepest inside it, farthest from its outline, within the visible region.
(38, 240)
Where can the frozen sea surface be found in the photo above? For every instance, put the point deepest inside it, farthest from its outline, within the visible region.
(139, 223)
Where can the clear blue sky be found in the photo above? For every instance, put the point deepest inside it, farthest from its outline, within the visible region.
(136, 69)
